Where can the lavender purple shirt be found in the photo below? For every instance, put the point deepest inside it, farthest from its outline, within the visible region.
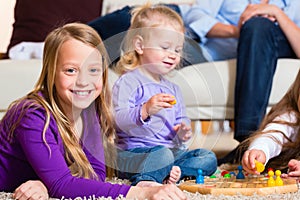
(27, 157)
(130, 92)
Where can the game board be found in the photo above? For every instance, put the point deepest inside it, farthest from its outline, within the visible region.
(233, 186)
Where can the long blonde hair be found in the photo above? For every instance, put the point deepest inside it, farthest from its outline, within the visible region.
(289, 104)
(75, 157)
(143, 17)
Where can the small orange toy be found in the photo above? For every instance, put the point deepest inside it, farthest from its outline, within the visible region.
(173, 102)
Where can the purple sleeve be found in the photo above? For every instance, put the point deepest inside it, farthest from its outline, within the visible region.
(127, 109)
(49, 164)
(97, 165)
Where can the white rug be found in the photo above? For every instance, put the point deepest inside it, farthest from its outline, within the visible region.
(192, 196)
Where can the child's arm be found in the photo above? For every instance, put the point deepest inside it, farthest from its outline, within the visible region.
(52, 169)
(269, 144)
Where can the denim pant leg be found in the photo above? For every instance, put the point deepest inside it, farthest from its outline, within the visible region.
(190, 161)
(141, 164)
(112, 28)
(261, 43)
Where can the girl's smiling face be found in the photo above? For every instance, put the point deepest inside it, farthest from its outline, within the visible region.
(78, 77)
(161, 51)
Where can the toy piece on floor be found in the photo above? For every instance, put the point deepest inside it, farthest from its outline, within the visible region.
(259, 166)
(269, 169)
(240, 174)
(232, 173)
(200, 177)
(271, 181)
(224, 172)
(173, 102)
(278, 180)
(227, 176)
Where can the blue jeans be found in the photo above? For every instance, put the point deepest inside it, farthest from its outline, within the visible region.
(261, 43)
(155, 163)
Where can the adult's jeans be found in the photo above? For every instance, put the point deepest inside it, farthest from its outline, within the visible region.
(261, 43)
(155, 163)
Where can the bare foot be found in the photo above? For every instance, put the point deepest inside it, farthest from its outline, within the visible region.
(147, 184)
(174, 175)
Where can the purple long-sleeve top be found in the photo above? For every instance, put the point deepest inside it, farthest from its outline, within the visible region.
(27, 157)
(130, 92)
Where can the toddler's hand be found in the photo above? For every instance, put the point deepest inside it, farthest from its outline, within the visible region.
(183, 131)
(249, 158)
(158, 102)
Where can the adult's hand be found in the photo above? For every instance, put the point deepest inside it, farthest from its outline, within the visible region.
(264, 10)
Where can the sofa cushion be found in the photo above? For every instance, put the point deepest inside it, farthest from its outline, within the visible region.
(207, 88)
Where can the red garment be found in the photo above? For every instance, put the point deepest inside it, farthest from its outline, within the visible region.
(34, 19)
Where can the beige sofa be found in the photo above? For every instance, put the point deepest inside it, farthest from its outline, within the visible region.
(208, 88)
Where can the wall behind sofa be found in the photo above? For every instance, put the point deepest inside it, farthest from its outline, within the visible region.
(7, 19)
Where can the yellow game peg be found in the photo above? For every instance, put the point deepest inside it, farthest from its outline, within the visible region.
(259, 166)
(173, 102)
(278, 180)
(271, 181)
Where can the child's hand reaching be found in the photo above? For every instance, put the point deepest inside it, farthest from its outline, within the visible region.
(183, 131)
(31, 190)
(156, 103)
(249, 158)
(294, 169)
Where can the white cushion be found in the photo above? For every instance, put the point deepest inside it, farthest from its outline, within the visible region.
(207, 88)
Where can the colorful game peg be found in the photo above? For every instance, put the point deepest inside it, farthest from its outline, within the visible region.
(224, 172)
(173, 102)
(240, 174)
(232, 173)
(200, 177)
(259, 166)
(227, 176)
(271, 181)
(278, 180)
